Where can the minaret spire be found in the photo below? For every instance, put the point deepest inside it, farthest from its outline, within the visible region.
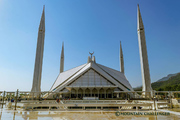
(62, 59)
(121, 59)
(36, 86)
(146, 81)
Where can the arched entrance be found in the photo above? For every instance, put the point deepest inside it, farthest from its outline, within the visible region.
(94, 92)
(73, 93)
(108, 92)
(101, 93)
(80, 93)
(87, 92)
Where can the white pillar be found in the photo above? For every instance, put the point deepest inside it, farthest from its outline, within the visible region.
(121, 59)
(36, 86)
(146, 81)
(62, 59)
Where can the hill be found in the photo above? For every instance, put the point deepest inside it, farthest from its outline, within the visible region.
(167, 77)
(171, 84)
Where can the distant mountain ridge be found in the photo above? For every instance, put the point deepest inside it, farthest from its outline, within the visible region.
(169, 83)
(167, 77)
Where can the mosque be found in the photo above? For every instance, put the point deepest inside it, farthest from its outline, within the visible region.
(90, 80)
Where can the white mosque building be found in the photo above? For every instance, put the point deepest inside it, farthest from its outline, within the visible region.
(90, 79)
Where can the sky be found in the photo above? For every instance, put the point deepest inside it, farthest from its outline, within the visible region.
(86, 26)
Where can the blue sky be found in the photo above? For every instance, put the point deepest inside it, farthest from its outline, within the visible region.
(86, 26)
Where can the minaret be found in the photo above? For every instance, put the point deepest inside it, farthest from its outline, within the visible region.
(146, 81)
(121, 59)
(36, 86)
(62, 59)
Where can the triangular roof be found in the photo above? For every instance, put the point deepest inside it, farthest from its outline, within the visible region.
(67, 77)
(117, 75)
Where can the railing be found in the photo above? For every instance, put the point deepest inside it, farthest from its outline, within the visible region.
(161, 98)
(123, 95)
(94, 101)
